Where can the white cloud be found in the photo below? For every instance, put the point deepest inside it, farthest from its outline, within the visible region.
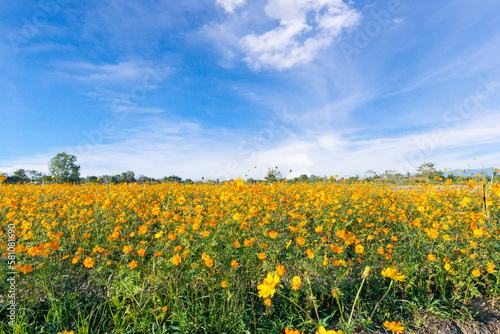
(120, 72)
(230, 5)
(305, 28)
(161, 148)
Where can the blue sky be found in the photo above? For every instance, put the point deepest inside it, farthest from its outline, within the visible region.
(214, 88)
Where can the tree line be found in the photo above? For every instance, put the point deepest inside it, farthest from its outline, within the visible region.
(63, 169)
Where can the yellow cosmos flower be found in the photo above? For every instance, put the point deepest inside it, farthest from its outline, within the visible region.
(296, 282)
(393, 273)
(476, 273)
(322, 330)
(359, 249)
(267, 288)
(223, 284)
(394, 327)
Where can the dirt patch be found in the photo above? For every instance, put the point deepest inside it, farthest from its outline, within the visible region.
(487, 321)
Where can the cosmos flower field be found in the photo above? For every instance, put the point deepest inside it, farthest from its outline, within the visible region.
(246, 258)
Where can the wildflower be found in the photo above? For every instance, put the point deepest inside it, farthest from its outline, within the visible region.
(133, 264)
(394, 327)
(141, 252)
(156, 254)
(447, 267)
(176, 259)
(237, 244)
(75, 259)
(234, 263)
(310, 253)
(273, 234)
(223, 284)
(143, 229)
(322, 330)
(209, 262)
(431, 257)
(476, 273)
(262, 256)
(164, 308)
(27, 268)
(393, 273)
(359, 249)
(491, 267)
(267, 288)
(280, 270)
(89, 262)
(301, 241)
(296, 282)
(127, 249)
(267, 302)
(291, 331)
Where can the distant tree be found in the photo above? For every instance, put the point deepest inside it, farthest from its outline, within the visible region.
(370, 175)
(21, 175)
(188, 181)
(173, 179)
(63, 168)
(303, 178)
(34, 175)
(390, 174)
(128, 176)
(426, 170)
(91, 179)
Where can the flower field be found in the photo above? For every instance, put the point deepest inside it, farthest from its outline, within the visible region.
(246, 258)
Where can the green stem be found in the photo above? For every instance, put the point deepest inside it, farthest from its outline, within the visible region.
(340, 309)
(355, 301)
(297, 306)
(385, 294)
(313, 299)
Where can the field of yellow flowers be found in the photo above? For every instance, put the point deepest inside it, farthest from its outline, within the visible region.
(244, 258)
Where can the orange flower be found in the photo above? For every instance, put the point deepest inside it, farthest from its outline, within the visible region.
(27, 268)
(143, 229)
(141, 252)
(394, 327)
(223, 284)
(234, 263)
(431, 257)
(127, 249)
(273, 234)
(176, 259)
(262, 256)
(89, 262)
(267, 302)
(301, 241)
(133, 264)
(164, 308)
(280, 270)
(359, 249)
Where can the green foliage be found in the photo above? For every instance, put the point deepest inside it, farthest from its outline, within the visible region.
(63, 168)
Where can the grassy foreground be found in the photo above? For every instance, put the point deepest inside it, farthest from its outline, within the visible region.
(244, 258)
